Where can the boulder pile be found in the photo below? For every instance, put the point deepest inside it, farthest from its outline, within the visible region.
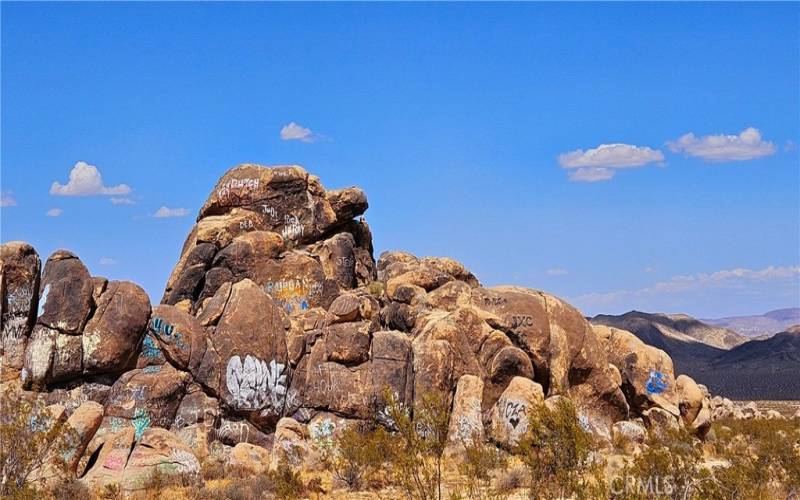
(277, 327)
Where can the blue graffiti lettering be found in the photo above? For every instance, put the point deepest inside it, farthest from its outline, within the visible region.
(657, 383)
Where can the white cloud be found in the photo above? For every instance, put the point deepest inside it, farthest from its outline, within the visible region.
(54, 212)
(556, 271)
(122, 201)
(296, 132)
(85, 180)
(591, 174)
(7, 199)
(107, 261)
(599, 164)
(748, 145)
(170, 212)
(729, 282)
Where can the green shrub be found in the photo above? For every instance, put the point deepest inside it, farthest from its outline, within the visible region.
(376, 288)
(556, 451)
(417, 443)
(30, 439)
(477, 465)
(286, 482)
(358, 453)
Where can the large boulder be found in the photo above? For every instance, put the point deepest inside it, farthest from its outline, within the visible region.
(113, 335)
(248, 459)
(181, 337)
(19, 292)
(66, 293)
(144, 398)
(245, 362)
(290, 445)
(280, 228)
(466, 425)
(510, 415)
(158, 450)
(648, 377)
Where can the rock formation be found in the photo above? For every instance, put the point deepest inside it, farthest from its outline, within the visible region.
(277, 325)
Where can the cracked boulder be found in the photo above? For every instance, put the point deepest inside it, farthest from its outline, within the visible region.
(19, 291)
(113, 335)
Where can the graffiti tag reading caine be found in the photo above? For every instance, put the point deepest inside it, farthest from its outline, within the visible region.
(254, 385)
(657, 383)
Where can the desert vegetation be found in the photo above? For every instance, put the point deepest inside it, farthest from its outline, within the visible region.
(404, 452)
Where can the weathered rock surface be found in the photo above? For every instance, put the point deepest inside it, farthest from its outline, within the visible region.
(112, 337)
(19, 291)
(648, 378)
(509, 418)
(248, 458)
(466, 424)
(277, 329)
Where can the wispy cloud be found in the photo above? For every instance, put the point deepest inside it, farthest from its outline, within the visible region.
(7, 199)
(107, 261)
(296, 132)
(164, 212)
(122, 201)
(556, 271)
(85, 180)
(748, 145)
(591, 174)
(54, 212)
(602, 162)
(740, 281)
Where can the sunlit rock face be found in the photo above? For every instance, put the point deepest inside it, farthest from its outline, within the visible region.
(278, 326)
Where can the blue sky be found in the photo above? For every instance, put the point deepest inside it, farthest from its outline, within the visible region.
(475, 129)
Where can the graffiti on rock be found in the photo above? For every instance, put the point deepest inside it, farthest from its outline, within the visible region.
(237, 191)
(657, 383)
(294, 294)
(167, 330)
(513, 412)
(140, 422)
(254, 384)
(43, 300)
(150, 348)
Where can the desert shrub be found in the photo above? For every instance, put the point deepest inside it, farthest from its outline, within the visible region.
(111, 491)
(30, 438)
(212, 469)
(511, 480)
(160, 481)
(253, 488)
(376, 288)
(477, 465)
(286, 482)
(417, 443)
(358, 453)
(764, 457)
(556, 451)
(72, 489)
(669, 466)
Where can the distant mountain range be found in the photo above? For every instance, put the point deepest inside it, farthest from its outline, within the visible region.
(769, 323)
(719, 357)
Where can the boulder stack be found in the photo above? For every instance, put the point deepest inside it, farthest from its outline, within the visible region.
(277, 327)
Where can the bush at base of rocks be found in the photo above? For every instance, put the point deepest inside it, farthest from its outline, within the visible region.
(556, 450)
(359, 453)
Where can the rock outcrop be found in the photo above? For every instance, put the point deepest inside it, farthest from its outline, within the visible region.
(277, 327)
